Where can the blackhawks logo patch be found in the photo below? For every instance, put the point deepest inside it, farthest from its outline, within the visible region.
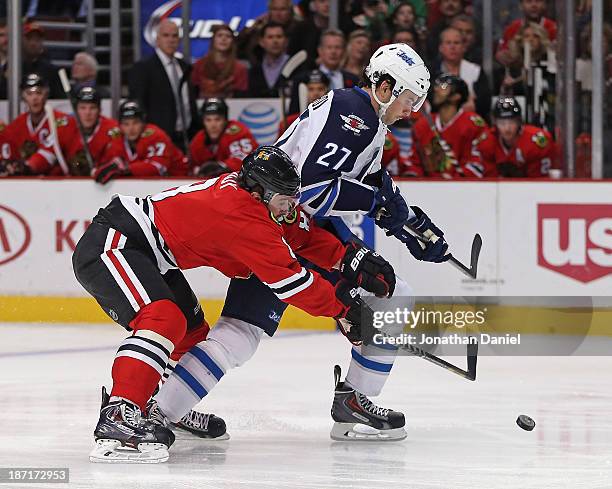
(540, 139)
(388, 143)
(477, 120)
(233, 129)
(115, 132)
(62, 121)
(148, 132)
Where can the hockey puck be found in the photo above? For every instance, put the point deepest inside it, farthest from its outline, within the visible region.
(525, 422)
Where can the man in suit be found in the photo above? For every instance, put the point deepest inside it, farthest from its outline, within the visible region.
(264, 77)
(161, 84)
(331, 50)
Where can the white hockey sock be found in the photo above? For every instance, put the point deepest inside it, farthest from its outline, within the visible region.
(229, 344)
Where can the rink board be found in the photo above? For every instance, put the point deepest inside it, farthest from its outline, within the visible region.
(540, 239)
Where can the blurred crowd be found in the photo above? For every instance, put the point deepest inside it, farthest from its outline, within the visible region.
(466, 112)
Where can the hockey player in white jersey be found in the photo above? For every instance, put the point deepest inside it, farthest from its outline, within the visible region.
(336, 145)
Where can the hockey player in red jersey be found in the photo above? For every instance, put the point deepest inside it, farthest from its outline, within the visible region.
(511, 148)
(139, 149)
(222, 144)
(33, 150)
(317, 85)
(130, 259)
(393, 161)
(99, 132)
(442, 152)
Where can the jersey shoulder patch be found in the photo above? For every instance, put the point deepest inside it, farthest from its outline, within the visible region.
(388, 142)
(114, 132)
(61, 121)
(477, 120)
(233, 128)
(149, 131)
(540, 139)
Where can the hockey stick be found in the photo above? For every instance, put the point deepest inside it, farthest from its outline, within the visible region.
(290, 66)
(474, 254)
(68, 91)
(472, 358)
(56, 147)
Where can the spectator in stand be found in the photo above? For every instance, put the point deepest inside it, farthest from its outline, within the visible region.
(442, 150)
(515, 75)
(374, 20)
(511, 148)
(307, 33)
(533, 11)
(448, 10)
(452, 49)
(139, 149)
(331, 52)
(34, 59)
(317, 84)
(3, 59)
(99, 133)
(34, 149)
(247, 42)
(84, 73)
(219, 73)
(407, 36)
(160, 83)
(222, 144)
(403, 16)
(467, 26)
(358, 51)
(264, 76)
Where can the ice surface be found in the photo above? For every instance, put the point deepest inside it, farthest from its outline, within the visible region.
(461, 434)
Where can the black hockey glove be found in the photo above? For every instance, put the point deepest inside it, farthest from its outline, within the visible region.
(355, 313)
(367, 269)
(434, 250)
(113, 169)
(391, 211)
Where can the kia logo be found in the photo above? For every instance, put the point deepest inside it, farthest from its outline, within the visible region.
(576, 239)
(14, 235)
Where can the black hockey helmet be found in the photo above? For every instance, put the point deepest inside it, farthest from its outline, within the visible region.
(214, 106)
(507, 108)
(32, 80)
(88, 95)
(130, 109)
(271, 169)
(456, 84)
(317, 76)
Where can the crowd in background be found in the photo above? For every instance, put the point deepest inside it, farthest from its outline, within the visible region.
(447, 34)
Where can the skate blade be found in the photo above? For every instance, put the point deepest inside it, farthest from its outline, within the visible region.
(362, 432)
(111, 452)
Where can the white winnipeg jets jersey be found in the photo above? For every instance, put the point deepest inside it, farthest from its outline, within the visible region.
(335, 144)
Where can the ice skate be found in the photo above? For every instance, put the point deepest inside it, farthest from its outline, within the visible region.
(203, 425)
(356, 418)
(123, 436)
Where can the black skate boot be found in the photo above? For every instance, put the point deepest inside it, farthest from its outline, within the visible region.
(203, 425)
(359, 419)
(123, 436)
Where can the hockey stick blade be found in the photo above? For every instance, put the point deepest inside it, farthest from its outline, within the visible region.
(292, 63)
(472, 359)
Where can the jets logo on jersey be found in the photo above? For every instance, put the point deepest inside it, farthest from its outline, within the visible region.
(353, 123)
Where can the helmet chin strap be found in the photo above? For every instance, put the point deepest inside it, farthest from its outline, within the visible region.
(383, 106)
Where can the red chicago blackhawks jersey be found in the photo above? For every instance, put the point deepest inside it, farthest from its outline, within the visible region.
(154, 154)
(393, 161)
(98, 142)
(5, 145)
(215, 223)
(234, 144)
(444, 155)
(532, 156)
(34, 144)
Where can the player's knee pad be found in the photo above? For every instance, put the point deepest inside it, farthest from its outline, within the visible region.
(234, 341)
(163, 318)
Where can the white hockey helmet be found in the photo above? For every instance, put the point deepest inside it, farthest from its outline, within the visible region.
(405, 66)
